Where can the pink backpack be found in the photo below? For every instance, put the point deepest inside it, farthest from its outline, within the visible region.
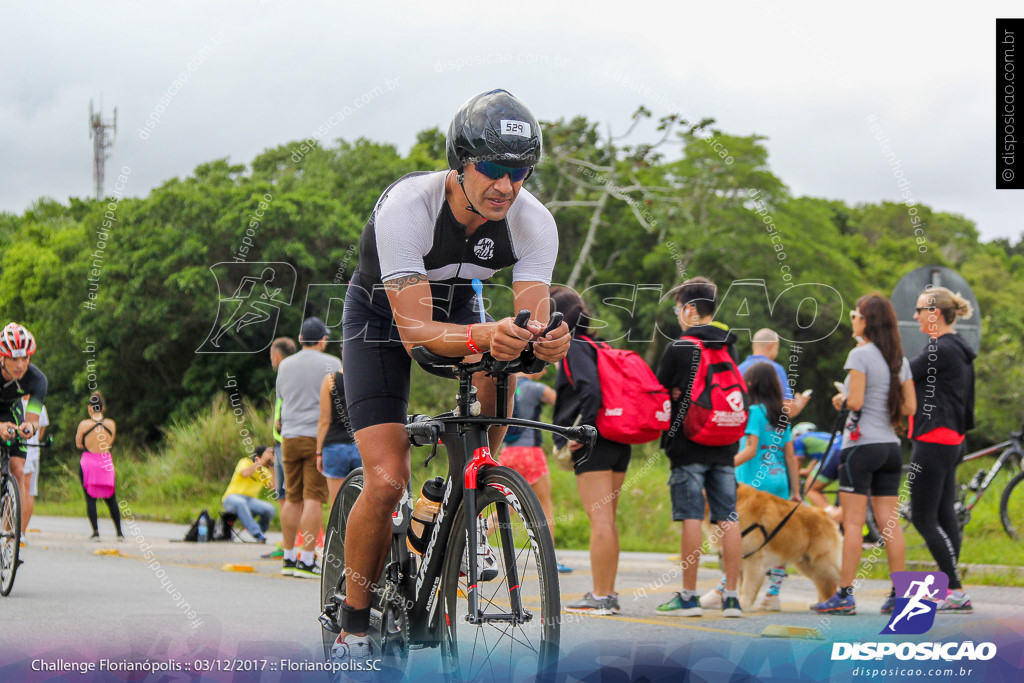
(635, 408)
(717, 414)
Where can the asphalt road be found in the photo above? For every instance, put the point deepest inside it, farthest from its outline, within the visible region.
(152, 598)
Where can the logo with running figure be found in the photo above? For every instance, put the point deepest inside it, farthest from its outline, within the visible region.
(250, 297)
(914, 612)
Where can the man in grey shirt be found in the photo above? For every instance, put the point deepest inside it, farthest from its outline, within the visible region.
(298, 386)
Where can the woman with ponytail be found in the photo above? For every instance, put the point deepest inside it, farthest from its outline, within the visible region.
(944, 379)
(879, 393)
(95, 436)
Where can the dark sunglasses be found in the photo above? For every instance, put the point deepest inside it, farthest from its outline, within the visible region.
(497, 171)
(925, 308)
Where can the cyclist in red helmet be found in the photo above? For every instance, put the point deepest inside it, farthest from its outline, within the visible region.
(19, 377)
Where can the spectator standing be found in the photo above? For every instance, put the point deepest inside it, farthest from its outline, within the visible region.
(336, 451)
(30, 482)
(242, 497)
(879, 392)
(523, 451)
(765, 347)
(280, 348)
(698, 469)
(298, 386)
(944, 383)
(96, 435)
(599, 476)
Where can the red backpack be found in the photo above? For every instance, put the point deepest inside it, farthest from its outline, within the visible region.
(635, 408)
(717, 415)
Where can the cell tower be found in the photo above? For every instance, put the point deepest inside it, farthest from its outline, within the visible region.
(100, 144)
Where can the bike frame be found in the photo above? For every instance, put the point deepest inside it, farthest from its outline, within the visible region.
(1009, 448)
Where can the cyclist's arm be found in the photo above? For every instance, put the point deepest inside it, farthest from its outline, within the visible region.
(411, 303)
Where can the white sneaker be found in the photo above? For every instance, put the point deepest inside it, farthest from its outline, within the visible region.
(770, 603)
(351, 647)
(712, 599)
(486, 559)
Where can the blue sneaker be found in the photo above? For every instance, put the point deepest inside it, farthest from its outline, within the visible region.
(836, 605)
(677, 607)
(562, 569)
(889, 605)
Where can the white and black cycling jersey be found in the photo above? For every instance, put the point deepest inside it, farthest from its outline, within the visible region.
(412, 231)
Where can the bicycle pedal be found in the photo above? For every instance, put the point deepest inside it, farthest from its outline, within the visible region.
(328, 623)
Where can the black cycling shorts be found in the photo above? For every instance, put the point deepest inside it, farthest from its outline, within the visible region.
(607, 455)
(376, 364)
(872, 469)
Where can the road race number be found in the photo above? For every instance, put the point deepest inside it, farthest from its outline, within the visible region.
(510, 127)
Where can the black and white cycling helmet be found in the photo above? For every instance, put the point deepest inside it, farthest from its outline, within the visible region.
(494, 126)
(16, 342)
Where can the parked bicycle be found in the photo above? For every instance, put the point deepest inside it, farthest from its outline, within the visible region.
(487, 627)
(969, 493)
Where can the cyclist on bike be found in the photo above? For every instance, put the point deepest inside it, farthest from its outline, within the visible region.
(19, 377)
(428, 236)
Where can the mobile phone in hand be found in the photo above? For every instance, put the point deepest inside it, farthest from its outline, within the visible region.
(807, 393)
(839, 387)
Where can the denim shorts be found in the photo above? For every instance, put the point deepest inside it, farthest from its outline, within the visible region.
(340, 459)
(688, 484)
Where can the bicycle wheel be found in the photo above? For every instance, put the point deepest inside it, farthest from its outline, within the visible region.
(498, 650)
(1011, 507)
(388, 625)
(10, 533)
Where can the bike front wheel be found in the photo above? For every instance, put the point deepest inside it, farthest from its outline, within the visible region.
(506, 645)
(10, 533)
(1011, 507)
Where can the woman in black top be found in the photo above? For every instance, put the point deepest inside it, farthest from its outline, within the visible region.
(944, 381)
(336, 451)
(600, 474)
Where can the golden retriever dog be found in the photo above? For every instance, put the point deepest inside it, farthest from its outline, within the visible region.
(809, 541)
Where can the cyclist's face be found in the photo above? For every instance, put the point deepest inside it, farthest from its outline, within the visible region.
(16, 367)
(492, 198)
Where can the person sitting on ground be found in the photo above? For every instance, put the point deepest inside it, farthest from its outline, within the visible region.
(813, 445)
(242, 497)
(95, 436)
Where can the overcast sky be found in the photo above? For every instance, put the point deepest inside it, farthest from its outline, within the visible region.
(807, 75)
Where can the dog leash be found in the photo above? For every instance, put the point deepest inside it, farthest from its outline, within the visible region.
(758, 525)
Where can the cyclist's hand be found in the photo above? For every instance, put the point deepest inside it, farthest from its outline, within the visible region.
(5, 430)
(27, 429)
(508, 340)
(553, 346)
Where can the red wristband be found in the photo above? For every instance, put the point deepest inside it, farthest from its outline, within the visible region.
(469, 340)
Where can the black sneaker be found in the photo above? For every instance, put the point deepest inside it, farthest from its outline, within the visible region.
(731, 608)
(306, 571)
(289, 568)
